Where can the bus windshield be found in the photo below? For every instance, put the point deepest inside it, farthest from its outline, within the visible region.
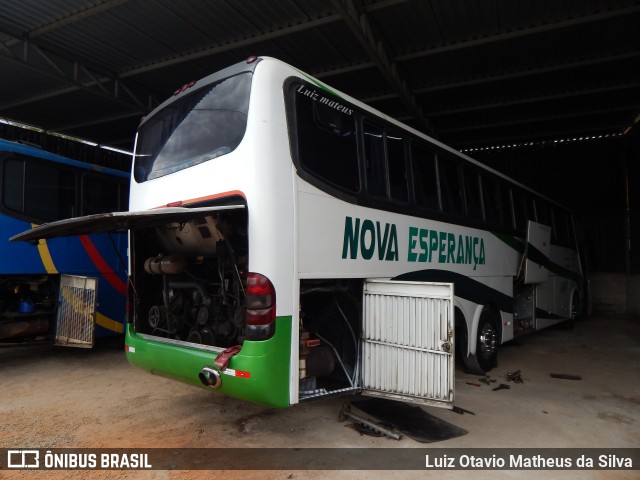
(203, 125)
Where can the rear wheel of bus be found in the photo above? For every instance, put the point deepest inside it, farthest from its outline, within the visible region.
(486, 352)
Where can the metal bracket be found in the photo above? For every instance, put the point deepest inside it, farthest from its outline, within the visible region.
(345, 413)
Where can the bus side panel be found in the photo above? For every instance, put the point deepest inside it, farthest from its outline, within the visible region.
(545, 297)
(259, 373)
(107, 255)
(100, 257)
(564, 289)
(20, 257)
(96, 256)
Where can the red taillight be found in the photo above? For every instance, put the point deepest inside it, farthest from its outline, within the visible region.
(186, 86)
(259, 307)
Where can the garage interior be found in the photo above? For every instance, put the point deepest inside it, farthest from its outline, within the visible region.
(544, 91)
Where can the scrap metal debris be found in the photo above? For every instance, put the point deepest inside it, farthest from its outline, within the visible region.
(515, 377)
(364, 430)
(502, 386)
(487, 380)
(366, 425)
(462, 411)
(410, 420)
(565, 376)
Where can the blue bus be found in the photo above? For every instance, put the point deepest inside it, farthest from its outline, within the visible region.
(70, 290)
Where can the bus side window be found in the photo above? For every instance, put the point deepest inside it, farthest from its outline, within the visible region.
(472, 193)
(572, 228)
(375, 160)
(425, 185)
(520, 210)
(327, 143)
(450, 188)
(532, 213)
(39, 191)
(491, 201)
(507, 205)
(99, 195)
(397, 166)
(554, 221)
(13, 185)
(50, 193)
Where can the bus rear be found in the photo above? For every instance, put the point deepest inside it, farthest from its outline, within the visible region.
(221, 238)
(204, 281)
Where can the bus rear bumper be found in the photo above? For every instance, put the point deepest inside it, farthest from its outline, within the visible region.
(259, 372)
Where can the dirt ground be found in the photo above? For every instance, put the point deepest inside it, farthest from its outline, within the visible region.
(53, 397)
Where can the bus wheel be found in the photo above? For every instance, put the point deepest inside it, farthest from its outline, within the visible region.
(486, 344)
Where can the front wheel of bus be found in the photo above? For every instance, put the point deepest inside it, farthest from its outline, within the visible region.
(486, 354)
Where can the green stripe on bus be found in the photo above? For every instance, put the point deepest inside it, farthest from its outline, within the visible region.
(319, 84)
(262, 367)
(537, 256)
(510, 240)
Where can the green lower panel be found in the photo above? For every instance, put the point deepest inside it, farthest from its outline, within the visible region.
(262, 367)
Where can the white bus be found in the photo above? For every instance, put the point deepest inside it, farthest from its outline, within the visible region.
(288, 242)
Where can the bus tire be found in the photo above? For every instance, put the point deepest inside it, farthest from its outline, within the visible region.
(486, 355)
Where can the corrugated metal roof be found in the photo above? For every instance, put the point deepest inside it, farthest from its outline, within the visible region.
(474, 72)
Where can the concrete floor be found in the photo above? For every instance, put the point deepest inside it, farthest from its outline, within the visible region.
(53, 397)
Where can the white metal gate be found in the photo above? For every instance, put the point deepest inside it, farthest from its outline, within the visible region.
(408, 341)
(75, 324)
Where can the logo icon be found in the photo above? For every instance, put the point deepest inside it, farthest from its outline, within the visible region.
(23, 459)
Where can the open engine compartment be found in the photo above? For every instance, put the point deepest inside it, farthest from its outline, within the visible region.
(330, 336)
(189, 278)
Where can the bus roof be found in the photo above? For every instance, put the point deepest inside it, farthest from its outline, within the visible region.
(32, 151)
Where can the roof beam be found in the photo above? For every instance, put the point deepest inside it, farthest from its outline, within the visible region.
(263, 37)
(495, 38)
(162, 63)
(547, 118)
(96, 83)
(377, 51)
(500, 37)
(528, 73)
(71, 19)
(260, 37)
(632, 124)
(604, 130)
(540, 98)
(70, 73)
(94, 122)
